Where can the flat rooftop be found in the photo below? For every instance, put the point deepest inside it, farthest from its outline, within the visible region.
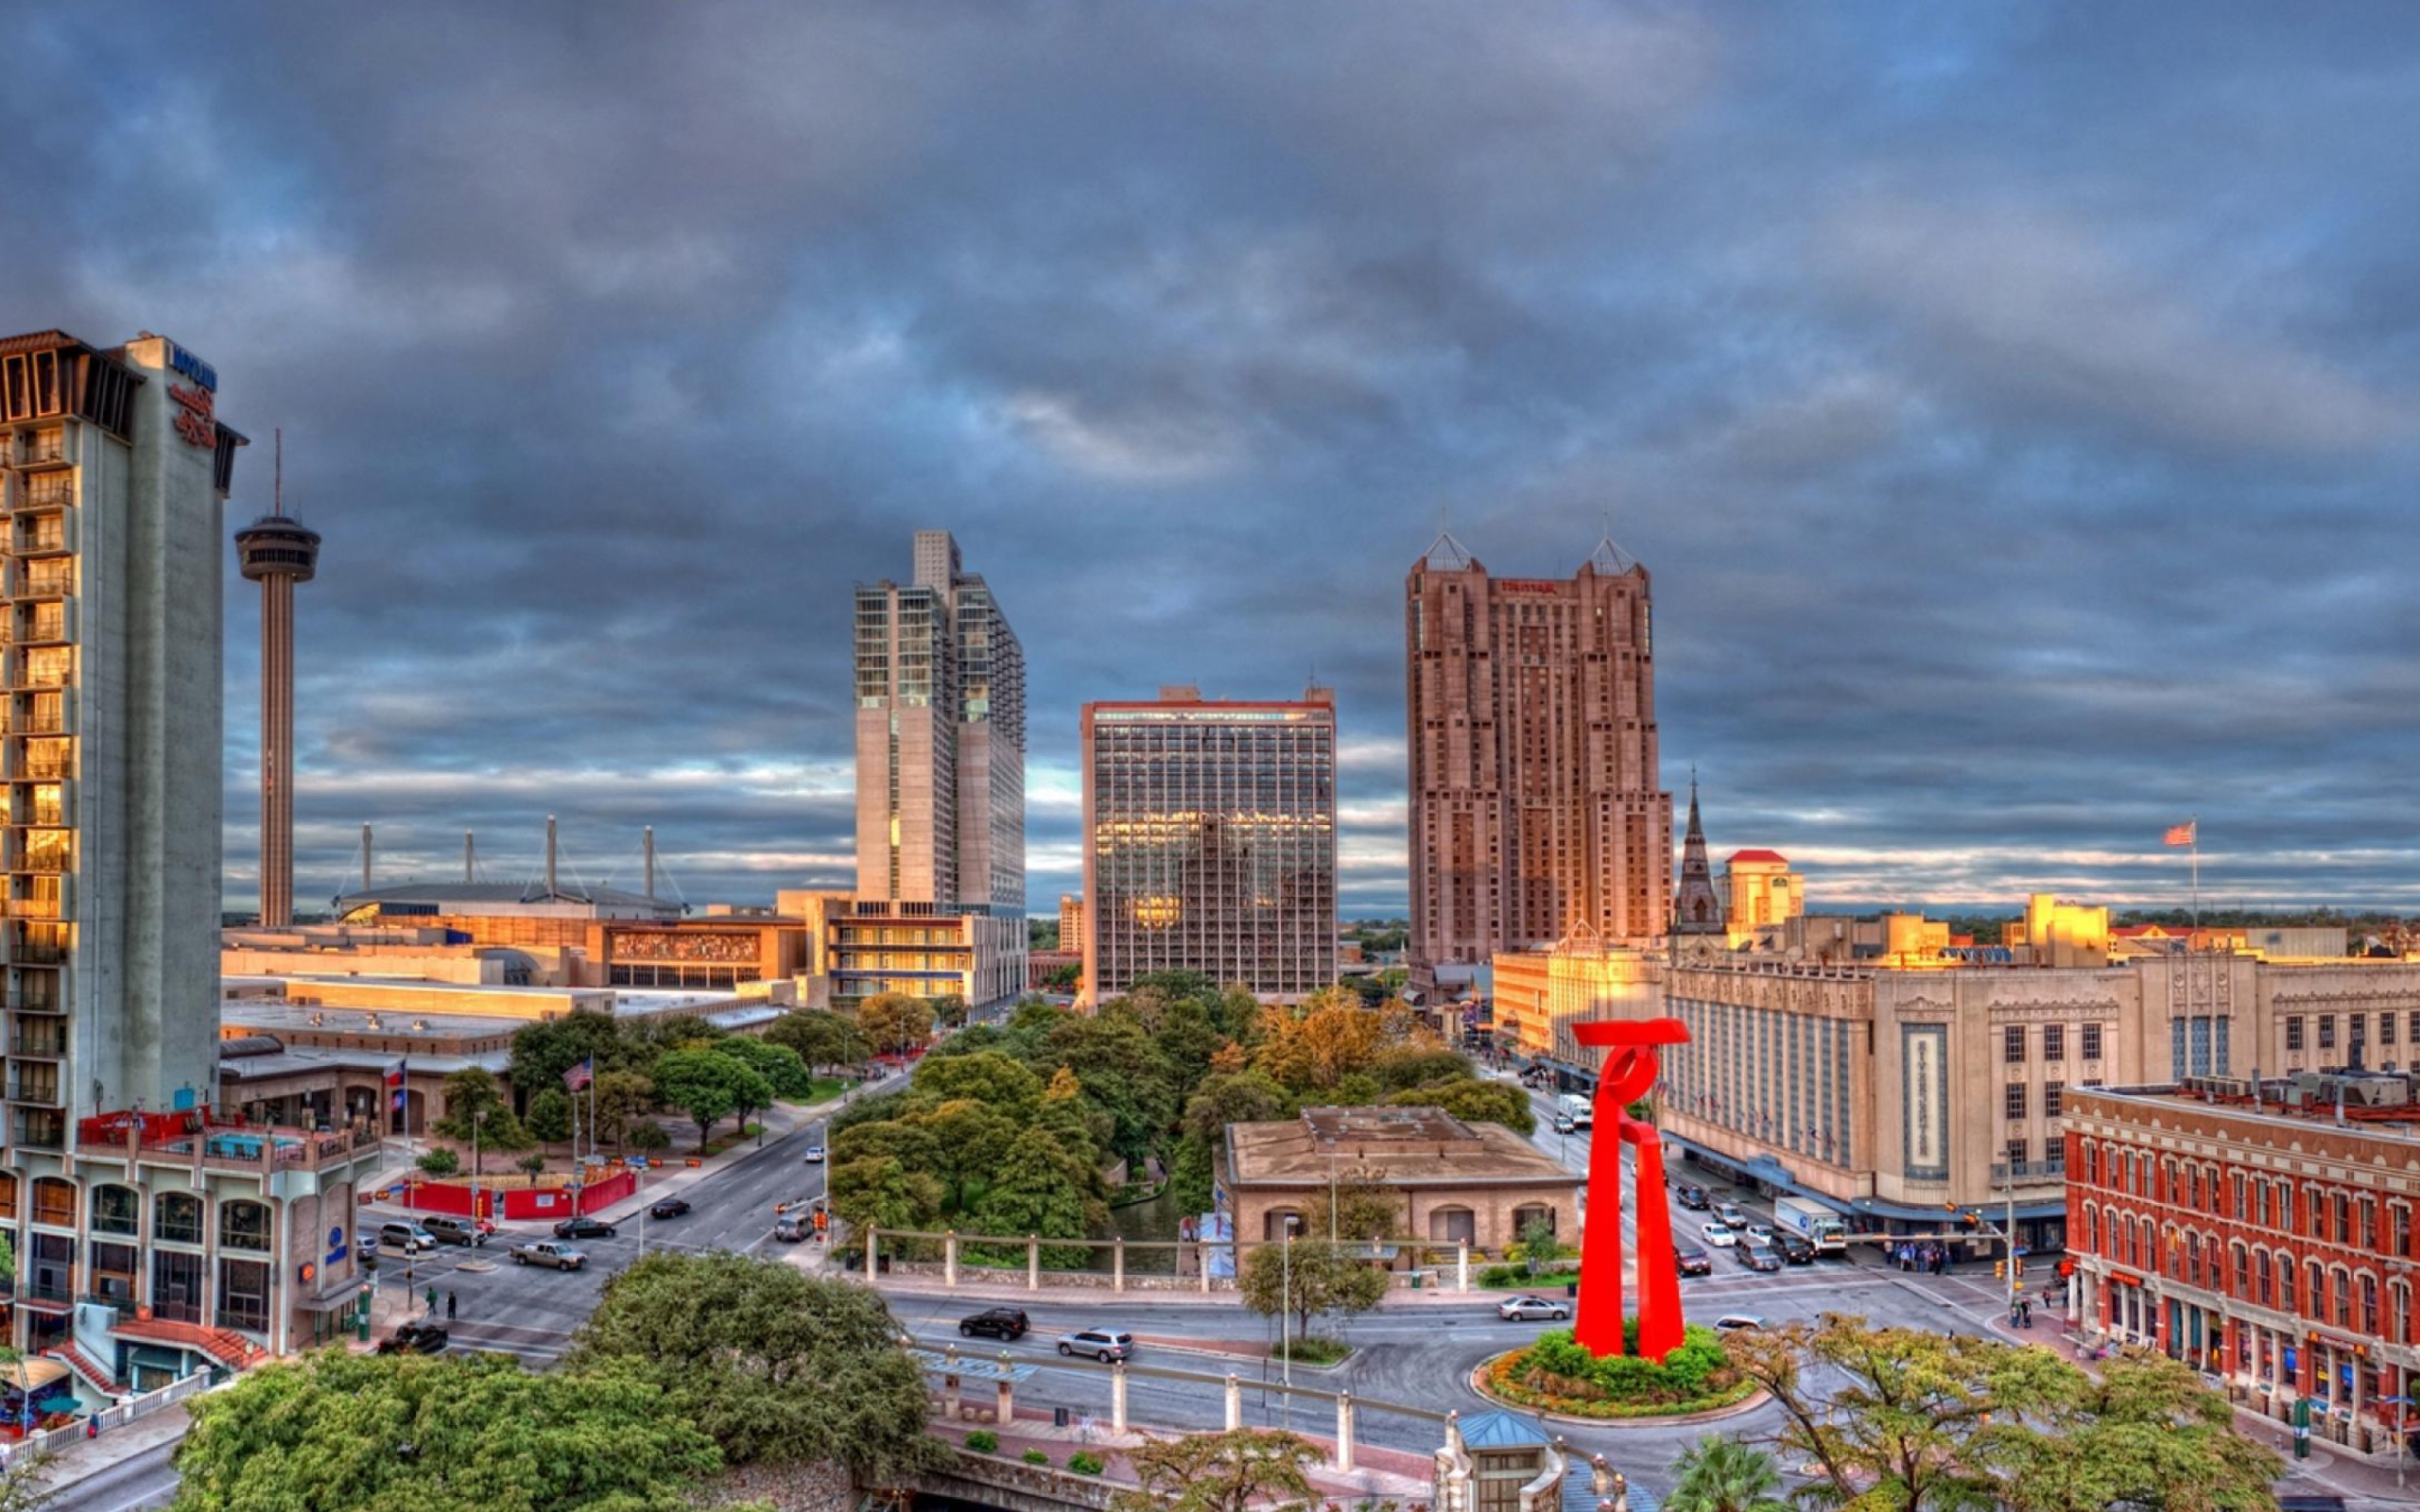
(2379, 1105)
(1412, 1146)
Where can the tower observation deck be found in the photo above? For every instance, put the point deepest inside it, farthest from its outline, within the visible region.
(277, 551)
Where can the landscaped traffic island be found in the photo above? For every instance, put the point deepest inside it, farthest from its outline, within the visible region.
(1556, 1374)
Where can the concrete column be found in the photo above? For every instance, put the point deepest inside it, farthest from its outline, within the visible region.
(1007, 1406)
(871, 1232)
(1235, 1403)
(952, 1386)
(1203, 1254)
(949, 1260)
(1118, 1263)
(1344, 1426)
(1117, 1396)
(1033, 1263)
(1461, 1266)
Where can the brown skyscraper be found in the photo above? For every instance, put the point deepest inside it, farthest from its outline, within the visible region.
(1535, 801)
(277, 551)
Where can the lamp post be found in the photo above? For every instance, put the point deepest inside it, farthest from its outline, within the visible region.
(478, 1122)
(1285, 1320)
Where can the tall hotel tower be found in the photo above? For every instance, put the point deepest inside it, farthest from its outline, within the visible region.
(1210, 843)
(939, 905)
(152, 1232)
(277, 553)
(1535, 801)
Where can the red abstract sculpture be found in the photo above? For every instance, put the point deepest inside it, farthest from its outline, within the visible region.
(1629, 1071)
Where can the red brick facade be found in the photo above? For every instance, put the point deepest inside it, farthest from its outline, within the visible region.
(2275, 1247)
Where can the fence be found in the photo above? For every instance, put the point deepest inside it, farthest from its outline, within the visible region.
(51, 1440)
(1202, 1264)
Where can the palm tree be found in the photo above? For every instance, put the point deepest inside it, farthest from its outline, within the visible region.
(1717, 1474)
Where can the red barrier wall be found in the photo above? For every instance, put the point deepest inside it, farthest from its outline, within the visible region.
(536, 1202)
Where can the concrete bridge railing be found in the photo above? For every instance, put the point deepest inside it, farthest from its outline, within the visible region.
(953, 1272)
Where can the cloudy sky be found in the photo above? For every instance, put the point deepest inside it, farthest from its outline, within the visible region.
(2015, 404)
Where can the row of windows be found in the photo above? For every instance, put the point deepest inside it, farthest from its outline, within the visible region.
(2357, 1027)
(2055, 1042)
(2335, 1294)
(176, 1216)
(2310, 1209)
(2054, 1097)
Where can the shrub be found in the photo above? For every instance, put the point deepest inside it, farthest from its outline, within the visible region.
(1557, 1369)
(532, 1164)
(440, 1161)
(648, 1135)
(982, 1440)
(1084, 1462)
(1035, 1456)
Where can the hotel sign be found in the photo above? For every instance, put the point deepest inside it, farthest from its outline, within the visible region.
(185, 362)
(196, 415)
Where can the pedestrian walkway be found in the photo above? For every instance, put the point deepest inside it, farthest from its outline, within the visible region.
(88, 1458)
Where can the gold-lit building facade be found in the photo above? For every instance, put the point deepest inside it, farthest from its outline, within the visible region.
(1210, 842)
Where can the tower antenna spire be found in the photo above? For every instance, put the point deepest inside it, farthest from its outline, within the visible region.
(277, 489)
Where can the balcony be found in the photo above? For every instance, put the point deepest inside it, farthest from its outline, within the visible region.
(227, 1143)
(29, 951)
(47, 627)
(31, 1088)
(59, 1292)
(49, 1039)
(2025, 1172)
(44, 536)
(37, 583)
(46, 449)
(45, 769)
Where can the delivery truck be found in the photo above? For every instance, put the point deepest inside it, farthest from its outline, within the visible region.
(1813, 1222)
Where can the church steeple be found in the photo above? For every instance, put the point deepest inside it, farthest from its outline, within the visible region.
(1697, 910)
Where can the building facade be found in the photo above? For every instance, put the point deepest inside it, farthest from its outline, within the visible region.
(1541, 994)
(1760, 893)
(152, 1228)
(1455, 1183)
(1535, 799)
(941, 743)
(2267, 1237)
(277, 551)
(1071, 923)
(1210, 843)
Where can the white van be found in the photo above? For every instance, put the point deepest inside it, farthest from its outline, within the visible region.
(409, 1237)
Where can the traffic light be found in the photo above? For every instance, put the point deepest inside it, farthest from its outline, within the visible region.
(1970, 1220)
(1999, 1270)
(2020, 1267)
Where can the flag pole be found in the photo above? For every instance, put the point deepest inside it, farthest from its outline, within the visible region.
(2196, 832)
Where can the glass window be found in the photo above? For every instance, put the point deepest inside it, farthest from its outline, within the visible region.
(2091, 1046)
(176, 1217)
(116, 1210)
(2054, 1041)
(2053, 1096)
(243, 1225)
(2327, 1031)
(2013, 1044)
(2294, 1031)
(2016, 1099)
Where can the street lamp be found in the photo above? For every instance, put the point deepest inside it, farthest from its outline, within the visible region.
(1285, 1320)
(479, 1120)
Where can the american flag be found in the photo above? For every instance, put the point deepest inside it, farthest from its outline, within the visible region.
(580, 1076)
(2181, 833)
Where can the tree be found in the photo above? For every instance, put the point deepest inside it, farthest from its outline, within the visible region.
(780, 1066)
(1233, 1471)
(1318, 1276)
(1539, 1245)
(998, 1081)
(1223, 1098)
(1921, 1422)
(708, 1086)
(776, 1366)
(531, 1164)
(1359, 1205)
(440, 1161)
(618, 1097)
(339, 1429)
(1316, 1047)
(949, 1011)
(880, 1192)
(550, 1116)
(971, 1142)
(1715, 1474)
(893, 1022)
(1042, 1190)
(1475, 1102)
(903, 1140)
(819, 1038)
(469, 1093)
(1400, 1069)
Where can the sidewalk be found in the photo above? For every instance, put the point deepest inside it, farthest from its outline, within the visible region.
(88, 1458)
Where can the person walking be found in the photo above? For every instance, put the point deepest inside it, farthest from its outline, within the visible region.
(432, 1299)
(449, 1307)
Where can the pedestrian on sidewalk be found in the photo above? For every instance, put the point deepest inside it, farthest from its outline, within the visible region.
(432, 1299)
(449, 1307)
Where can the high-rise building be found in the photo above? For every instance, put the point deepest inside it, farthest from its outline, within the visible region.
(1696, 913)
(1536, 805)
(1210, 842)
(277, 551)
(940, 784)
(1071, 923)
(1762, 893)
(152, 1231)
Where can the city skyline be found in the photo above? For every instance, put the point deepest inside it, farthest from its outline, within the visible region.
(2016, 411)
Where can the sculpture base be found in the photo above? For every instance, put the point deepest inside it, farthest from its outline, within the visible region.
(1556, 1374)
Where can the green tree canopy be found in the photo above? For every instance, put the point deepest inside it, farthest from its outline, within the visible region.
(709, 1086)
(1408, 1067)
(819, 1038)
(619, 1096)
(782, 1067)
(1318, 1276)
(1916, 1422)
(999, 1081)
(551, 1117)
(473, 1091)
(971, 1142)
(1475, 1102)
(902, 1140)
(893, 1022)
(1719, 1475)
(334, 1432)
(776, 1366)
(1232, 1471)
(881, 1191)
(1043, 1190)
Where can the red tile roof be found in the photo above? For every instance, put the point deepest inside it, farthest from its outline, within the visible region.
(1759, 856)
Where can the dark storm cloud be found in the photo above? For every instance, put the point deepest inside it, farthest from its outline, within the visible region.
(2015, 405)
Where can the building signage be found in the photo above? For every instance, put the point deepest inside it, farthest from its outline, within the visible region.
(179, 360)
(196, 415)
(1537, 588)
(335, 1244)
(1924, 1115)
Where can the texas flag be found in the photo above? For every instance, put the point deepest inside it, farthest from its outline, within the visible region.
(395, 1075)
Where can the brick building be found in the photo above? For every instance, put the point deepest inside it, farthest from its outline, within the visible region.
(2259, 1232)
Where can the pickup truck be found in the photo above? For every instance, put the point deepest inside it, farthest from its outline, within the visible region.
(549, 1252)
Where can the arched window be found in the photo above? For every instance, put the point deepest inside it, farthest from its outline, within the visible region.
(2314, 1289)
(1273, 1224)
(2398, 1318)
(2369, 1324)
(2242, 1271)
(176, 1218)
(243, 1225)
(1451, 1226)
(55, 1202)
(1535, 1212)
(116, 1210)
(2261, 1276)
(2342, 1294)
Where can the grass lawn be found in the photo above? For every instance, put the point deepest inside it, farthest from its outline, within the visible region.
(723, 1142)
(825, 1089)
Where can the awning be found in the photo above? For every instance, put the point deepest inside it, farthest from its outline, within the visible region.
(342, 1296)
(23, 1376)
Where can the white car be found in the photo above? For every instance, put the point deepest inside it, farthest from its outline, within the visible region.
(1758, 1233)
(1523, 1308)
(1719, 1235)
(815, 1155)
(1735, 1322)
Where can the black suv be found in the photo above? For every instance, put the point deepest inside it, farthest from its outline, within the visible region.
(1794, 1247)
(1691, 1195)
(583, 1227)
(999, 1322)
(414, 1338)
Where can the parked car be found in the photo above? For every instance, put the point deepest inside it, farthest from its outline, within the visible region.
(790, 1228)
(448, 1230)
(584, 1227)
(670, 1208)
(815, 1155)
(1729, 1213)
(411, 1238)
(996, 1322)
(1691, 1195)
(1692, 1261)
(1757, 1257)
(1734, 1322)
(414, 1338)
(1795, 1247)
(1718, 1236)
(1101, 1344)
(552, 1252)
(1528, 1309)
